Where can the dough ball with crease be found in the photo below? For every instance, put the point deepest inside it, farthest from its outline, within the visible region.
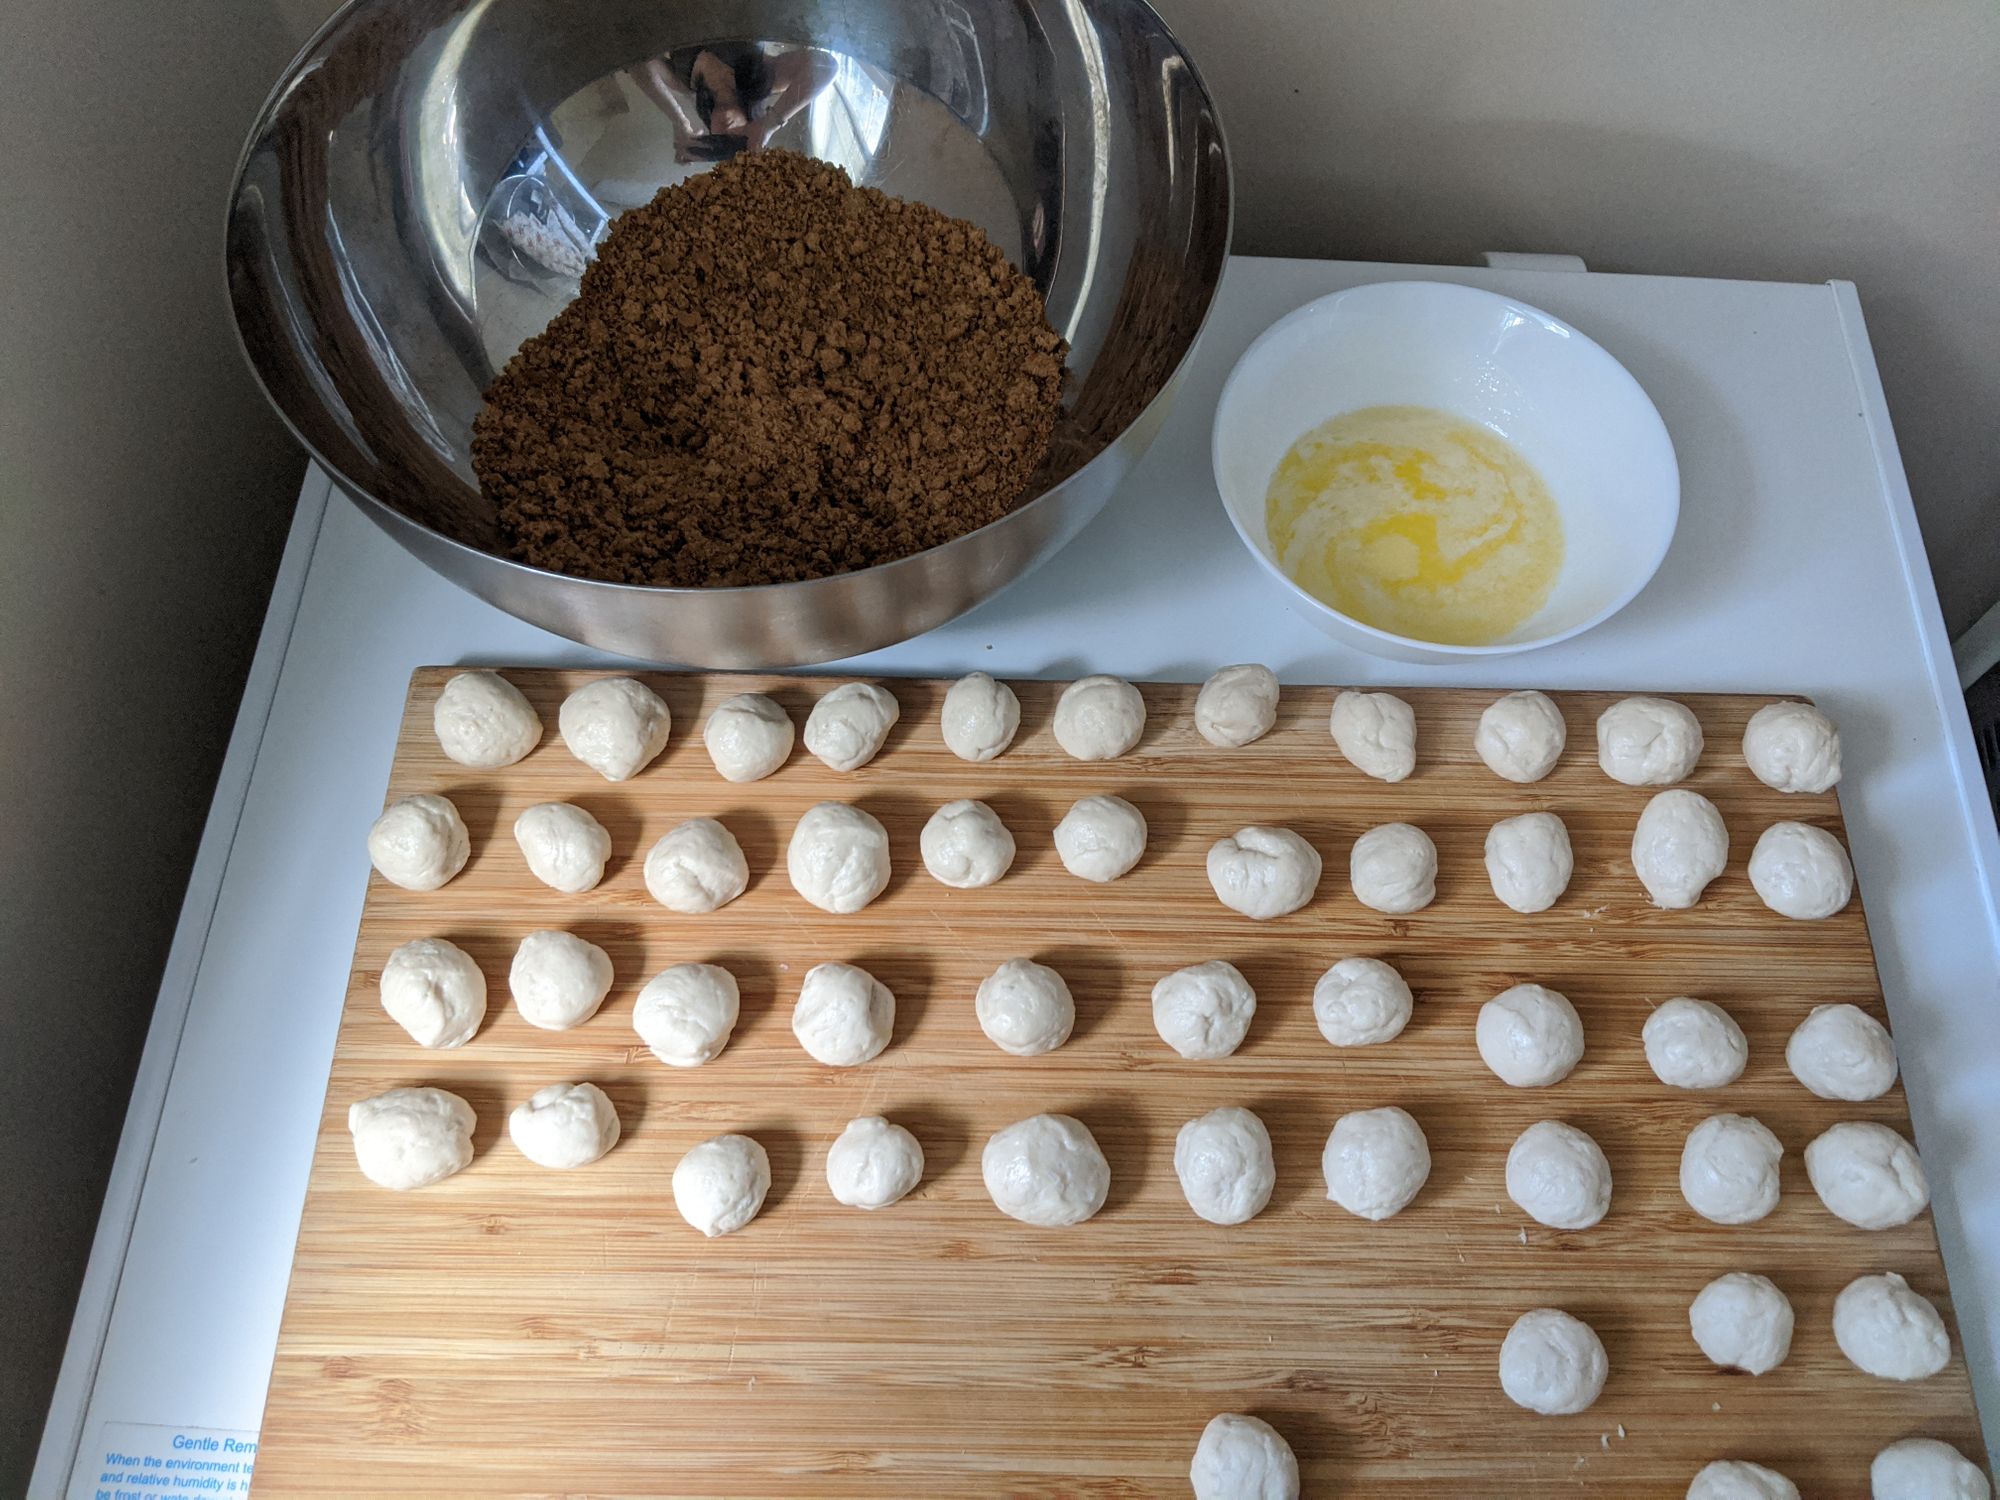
(411, 1138)
(1741, 1321)
(873, 1163)
(1530, 1036)
(558, 980)
(1361, 1002)
(565, 847)
(483, 721)
(1801, 872)
(838, 858)
(1099, 718)
(1101, 838)
(1867, 1174)
(1243, 1458)
(1729, 1169)
(1648, 741)
(966, 846)
(1842, 1052)
(979, 717)
(1393, 869)
(1888, 1330)
(1377, 732)
(565, 1125)
(686, 1013)
(719, 1186)
(1528, 861)
(696, 867)
(1521, 736)
(435, 992)
(1552, 1363)
(1679, 846)
(1025, 1008)
(419, 842)
(748, 737)
(1926, 1469)
(1203, 1011)
(1792, 747)
(1375, 1162)
(1557, 1176)
(1263, 872)
(844, 1015)
(1046, 1170)
(847, 726)
(1738, 1479)
(1692, 1044)
(615, 725)
(1223, 1160)
(1237, 706)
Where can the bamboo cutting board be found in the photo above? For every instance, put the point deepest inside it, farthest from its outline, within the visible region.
(518, 1331)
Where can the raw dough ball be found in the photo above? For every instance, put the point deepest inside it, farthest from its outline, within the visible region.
(1361, 1002)
(1375, 1162)
(838, 858)
(482, 721)
(1868, 1175)
(1691, 1044)
(1263, 872)
(1552, 1363)
(434, 991)
(965, 845)
(1792, 747)
(615, 725)
(1100, 838)
(565, 847)
(748, 737)
(564, 1125)
(844, 1015)
(1729, 1169)
(419, 842)
(1394, 868)
(696, 867)
(1885, 1329)
(1025, 1008)
(873, 1163)
(1377, 732)
(847, 726)
(1679, 846)
(1842, 1052)
(1558, 1176)
(1800, 871)
(1528, 860)
(1925, 1469)
(979, 717)
(1203, 1011)
(1045, 1170)
(410, 1138)
(1733, 1479)
(1742, 1322)
(1521, 736)
(686, 1013)
(1099, 718)
(1530, 1036)
(1241, 1458)
(1224, 1163)
(1237, 706)
(558, 980)
(1647, 741)
(720, 1185)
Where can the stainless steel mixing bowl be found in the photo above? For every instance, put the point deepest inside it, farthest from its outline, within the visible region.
(427, 182)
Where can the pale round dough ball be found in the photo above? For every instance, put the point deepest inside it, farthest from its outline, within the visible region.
(411, 1138)
(1693, 1044)
(686, 1013)
(838, 858)
(1223, 1160)
(1792, 747)
(1557, 1176)
(873, 1163)
(1263, 872)
(615, 725)
(1100, 838)
(1377, 732)
(1736, 1479)
(419, 842)
(482, 721)
(1375, 1162)
(719, 1186)
(435, 992)
(1868, 1175)
(696, 867)
(966, 846)
(1729, 1169)
(565, 847)
(847, 726)
(1528, 860)
(1742, 1322)
(1521, 736)
(1530, 1036)
(1679, 846)
(1393, 869)
(1237, 706)
(1045, 1170)
(1241, 1458)
(558, 980)
(1887, 1330)
(1552, 1363)
(1842, 1052)
(1361, 1002)
(844, 1015)
(1025, 1008)
(748, 737)
(1203, 1011)
(1801, 872)
(1099, 718)
(1926, 1469)
(1647, 741)
(978, 717)
(564, 1125)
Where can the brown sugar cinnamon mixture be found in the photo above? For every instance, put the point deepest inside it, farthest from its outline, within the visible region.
(770, 374)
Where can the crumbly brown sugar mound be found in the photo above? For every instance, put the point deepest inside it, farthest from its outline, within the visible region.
(770, 374)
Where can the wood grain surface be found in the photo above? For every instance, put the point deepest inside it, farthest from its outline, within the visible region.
(518, 1331)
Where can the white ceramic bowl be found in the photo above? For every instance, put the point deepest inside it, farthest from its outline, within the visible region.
(1571, 409)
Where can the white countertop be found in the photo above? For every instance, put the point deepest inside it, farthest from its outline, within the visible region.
(1797, 568)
